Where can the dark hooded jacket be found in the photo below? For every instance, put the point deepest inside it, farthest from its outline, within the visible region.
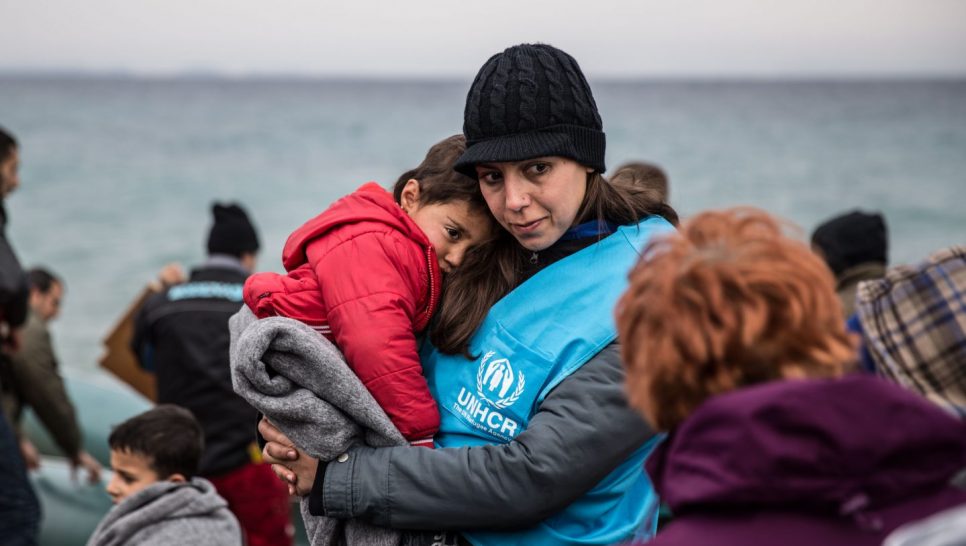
(812, 462)
(181, 334)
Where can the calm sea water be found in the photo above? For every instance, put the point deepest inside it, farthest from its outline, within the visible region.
(118, 174)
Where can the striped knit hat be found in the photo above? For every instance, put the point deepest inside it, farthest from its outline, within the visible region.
(530, 101)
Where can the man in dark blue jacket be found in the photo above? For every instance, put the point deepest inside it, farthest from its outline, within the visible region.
(181, 334)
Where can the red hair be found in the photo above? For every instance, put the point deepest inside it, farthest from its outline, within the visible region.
(728, 301)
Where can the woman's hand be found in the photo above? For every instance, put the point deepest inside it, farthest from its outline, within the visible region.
(292, 465)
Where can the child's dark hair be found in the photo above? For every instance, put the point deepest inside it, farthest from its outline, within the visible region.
(645, 177)
(168, 435)
(438, 182)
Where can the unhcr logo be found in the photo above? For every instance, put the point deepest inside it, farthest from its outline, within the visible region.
(495, 379)
(498, 387)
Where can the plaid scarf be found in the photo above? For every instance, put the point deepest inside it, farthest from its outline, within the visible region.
(914, 325)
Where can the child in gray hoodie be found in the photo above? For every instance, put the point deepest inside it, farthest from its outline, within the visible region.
(158, 500)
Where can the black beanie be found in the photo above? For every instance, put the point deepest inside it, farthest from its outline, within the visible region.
(232, 233)
(852, 239)
(530, 101)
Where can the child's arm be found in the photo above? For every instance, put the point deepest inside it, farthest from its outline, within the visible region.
(369, 284)
(294, 295)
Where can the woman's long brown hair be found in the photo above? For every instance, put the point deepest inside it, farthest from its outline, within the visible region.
(491, 271)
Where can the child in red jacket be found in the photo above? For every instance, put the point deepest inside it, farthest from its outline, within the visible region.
(365, 274)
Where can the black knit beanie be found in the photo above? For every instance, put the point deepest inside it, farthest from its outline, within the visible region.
(232, 233)
(852, 239)
(530, 101)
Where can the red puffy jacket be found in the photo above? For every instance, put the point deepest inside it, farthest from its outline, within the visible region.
(363, 274)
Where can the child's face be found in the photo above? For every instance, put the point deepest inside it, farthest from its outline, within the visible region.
(132, 473)
(452, 228)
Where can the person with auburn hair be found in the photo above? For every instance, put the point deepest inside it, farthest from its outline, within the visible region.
(734, 344)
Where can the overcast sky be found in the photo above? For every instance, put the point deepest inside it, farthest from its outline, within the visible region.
(453, 37)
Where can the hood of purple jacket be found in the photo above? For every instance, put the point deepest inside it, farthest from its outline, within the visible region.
(841, 446)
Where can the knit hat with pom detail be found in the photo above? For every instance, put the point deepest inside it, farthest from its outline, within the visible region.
(531, 100)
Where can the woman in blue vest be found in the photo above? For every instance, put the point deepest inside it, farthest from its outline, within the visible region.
(537, 444)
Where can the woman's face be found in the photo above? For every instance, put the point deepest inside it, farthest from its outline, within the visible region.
(9, 173)
(536, 200)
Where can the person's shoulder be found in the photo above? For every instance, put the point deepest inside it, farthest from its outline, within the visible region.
(206, 517)
(374, 239)
(227, 272)
(35, 327)
(35, 341)
(153, 302)
(217, 528)
(363, 227)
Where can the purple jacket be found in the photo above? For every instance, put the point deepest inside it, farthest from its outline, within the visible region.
(812, 462)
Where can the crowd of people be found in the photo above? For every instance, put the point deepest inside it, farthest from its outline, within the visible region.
(511, 347)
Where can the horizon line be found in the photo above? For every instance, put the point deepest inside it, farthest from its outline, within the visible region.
(216, 75)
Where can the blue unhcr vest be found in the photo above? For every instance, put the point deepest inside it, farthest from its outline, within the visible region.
(530, 341)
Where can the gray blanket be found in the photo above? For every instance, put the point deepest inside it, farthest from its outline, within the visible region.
(301, 383)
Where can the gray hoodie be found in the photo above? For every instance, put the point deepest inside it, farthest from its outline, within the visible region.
(170, 514)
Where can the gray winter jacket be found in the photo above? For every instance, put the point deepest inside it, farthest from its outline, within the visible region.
(581, 432)
(302, 384)
(170, 514)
